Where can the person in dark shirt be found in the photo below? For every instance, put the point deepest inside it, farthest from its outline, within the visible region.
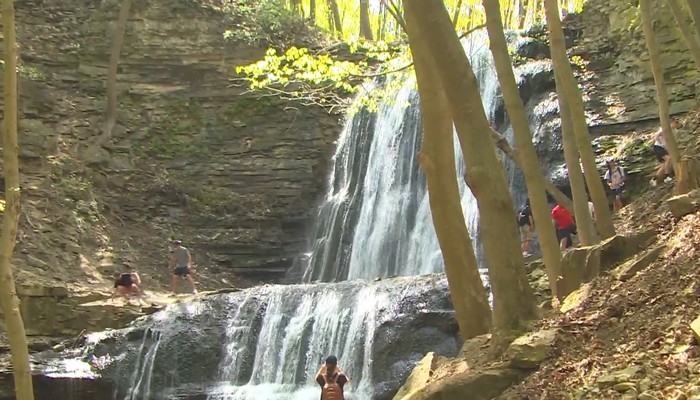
(126, 283)
(331, 379)
(526, 225)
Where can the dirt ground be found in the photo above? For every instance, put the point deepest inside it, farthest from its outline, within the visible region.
(643, 322)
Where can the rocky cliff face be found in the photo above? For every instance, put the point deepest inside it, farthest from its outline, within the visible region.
(234, 176)
(618, 75)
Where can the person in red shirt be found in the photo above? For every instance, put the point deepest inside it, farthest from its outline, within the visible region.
(564, 222)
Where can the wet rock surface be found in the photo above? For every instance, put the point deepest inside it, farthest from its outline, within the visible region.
(189, 345)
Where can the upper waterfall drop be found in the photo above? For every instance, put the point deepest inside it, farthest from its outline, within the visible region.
(375, 220)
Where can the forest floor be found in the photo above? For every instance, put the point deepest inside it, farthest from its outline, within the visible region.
(642, 325)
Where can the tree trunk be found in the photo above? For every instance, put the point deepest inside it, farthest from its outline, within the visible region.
(503, 145)
(437, 160)
(513, 300)
(694, 6)
(662, 94)
(529, 163)
(584, 223)
(111, 112)
(9, 302)
(455, 16)
(335, 12)
(572, 95)
(312, 11)
(365, 26)
(685, 30)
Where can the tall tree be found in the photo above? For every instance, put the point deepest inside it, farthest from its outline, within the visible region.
(572, 95)
(513, 300)
(119, 31)
(529, 163)
(694, 7)
(9, 302)
(661, 92)
(312, 11)
(335, 13)
(586, 230)
(438, 162)
(365, 26)
(686, 30)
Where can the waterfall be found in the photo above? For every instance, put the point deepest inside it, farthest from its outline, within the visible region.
(379, 196)
(277, 337)
(268, 342)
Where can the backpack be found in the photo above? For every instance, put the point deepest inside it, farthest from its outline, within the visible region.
(331, 389)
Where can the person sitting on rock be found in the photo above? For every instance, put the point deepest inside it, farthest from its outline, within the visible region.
(181, 264)
(331, 379)
(565, 225)
(616, 177)
(126, 283)
(527, 228)
(659, 147)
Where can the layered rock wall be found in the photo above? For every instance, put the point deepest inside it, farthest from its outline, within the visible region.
(193, 156)
(620, 81)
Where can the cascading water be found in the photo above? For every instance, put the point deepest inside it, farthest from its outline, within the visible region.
(389, 218)
(268, 342)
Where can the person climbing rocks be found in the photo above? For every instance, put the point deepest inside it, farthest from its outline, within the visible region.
(126, 283)
(181, 264)
(527, 228)
(616, 177)
(658, 142)
(565, 225)
(331, 379)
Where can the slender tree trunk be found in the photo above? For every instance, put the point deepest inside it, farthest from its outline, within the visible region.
(661, 92)
(312, 11)
(685, 30)
(571, 93)
(119, 31)
(438, 162)
(529, 163)
(382, 21)
(513, 300)
(365, 26)
(694, 7)
(584, 224)
(335, 12)
(455, 15)
(9, 302)
(511, 153)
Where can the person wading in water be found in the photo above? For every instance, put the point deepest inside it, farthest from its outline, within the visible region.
(331, 379)
(181, 264)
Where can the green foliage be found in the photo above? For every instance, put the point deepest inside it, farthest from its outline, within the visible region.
(321, 78)
(261, 21)
(297, 65)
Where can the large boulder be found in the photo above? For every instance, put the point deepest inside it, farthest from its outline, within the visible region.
(582, 264)
(420, 376)
(530, 350)
(684, 204)
(630, 268)
(471, 385)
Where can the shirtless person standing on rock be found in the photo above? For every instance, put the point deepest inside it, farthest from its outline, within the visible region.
(180, 264)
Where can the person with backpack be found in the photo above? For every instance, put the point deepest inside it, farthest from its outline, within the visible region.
(332, 380)
(527, 228)
(615, 176)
